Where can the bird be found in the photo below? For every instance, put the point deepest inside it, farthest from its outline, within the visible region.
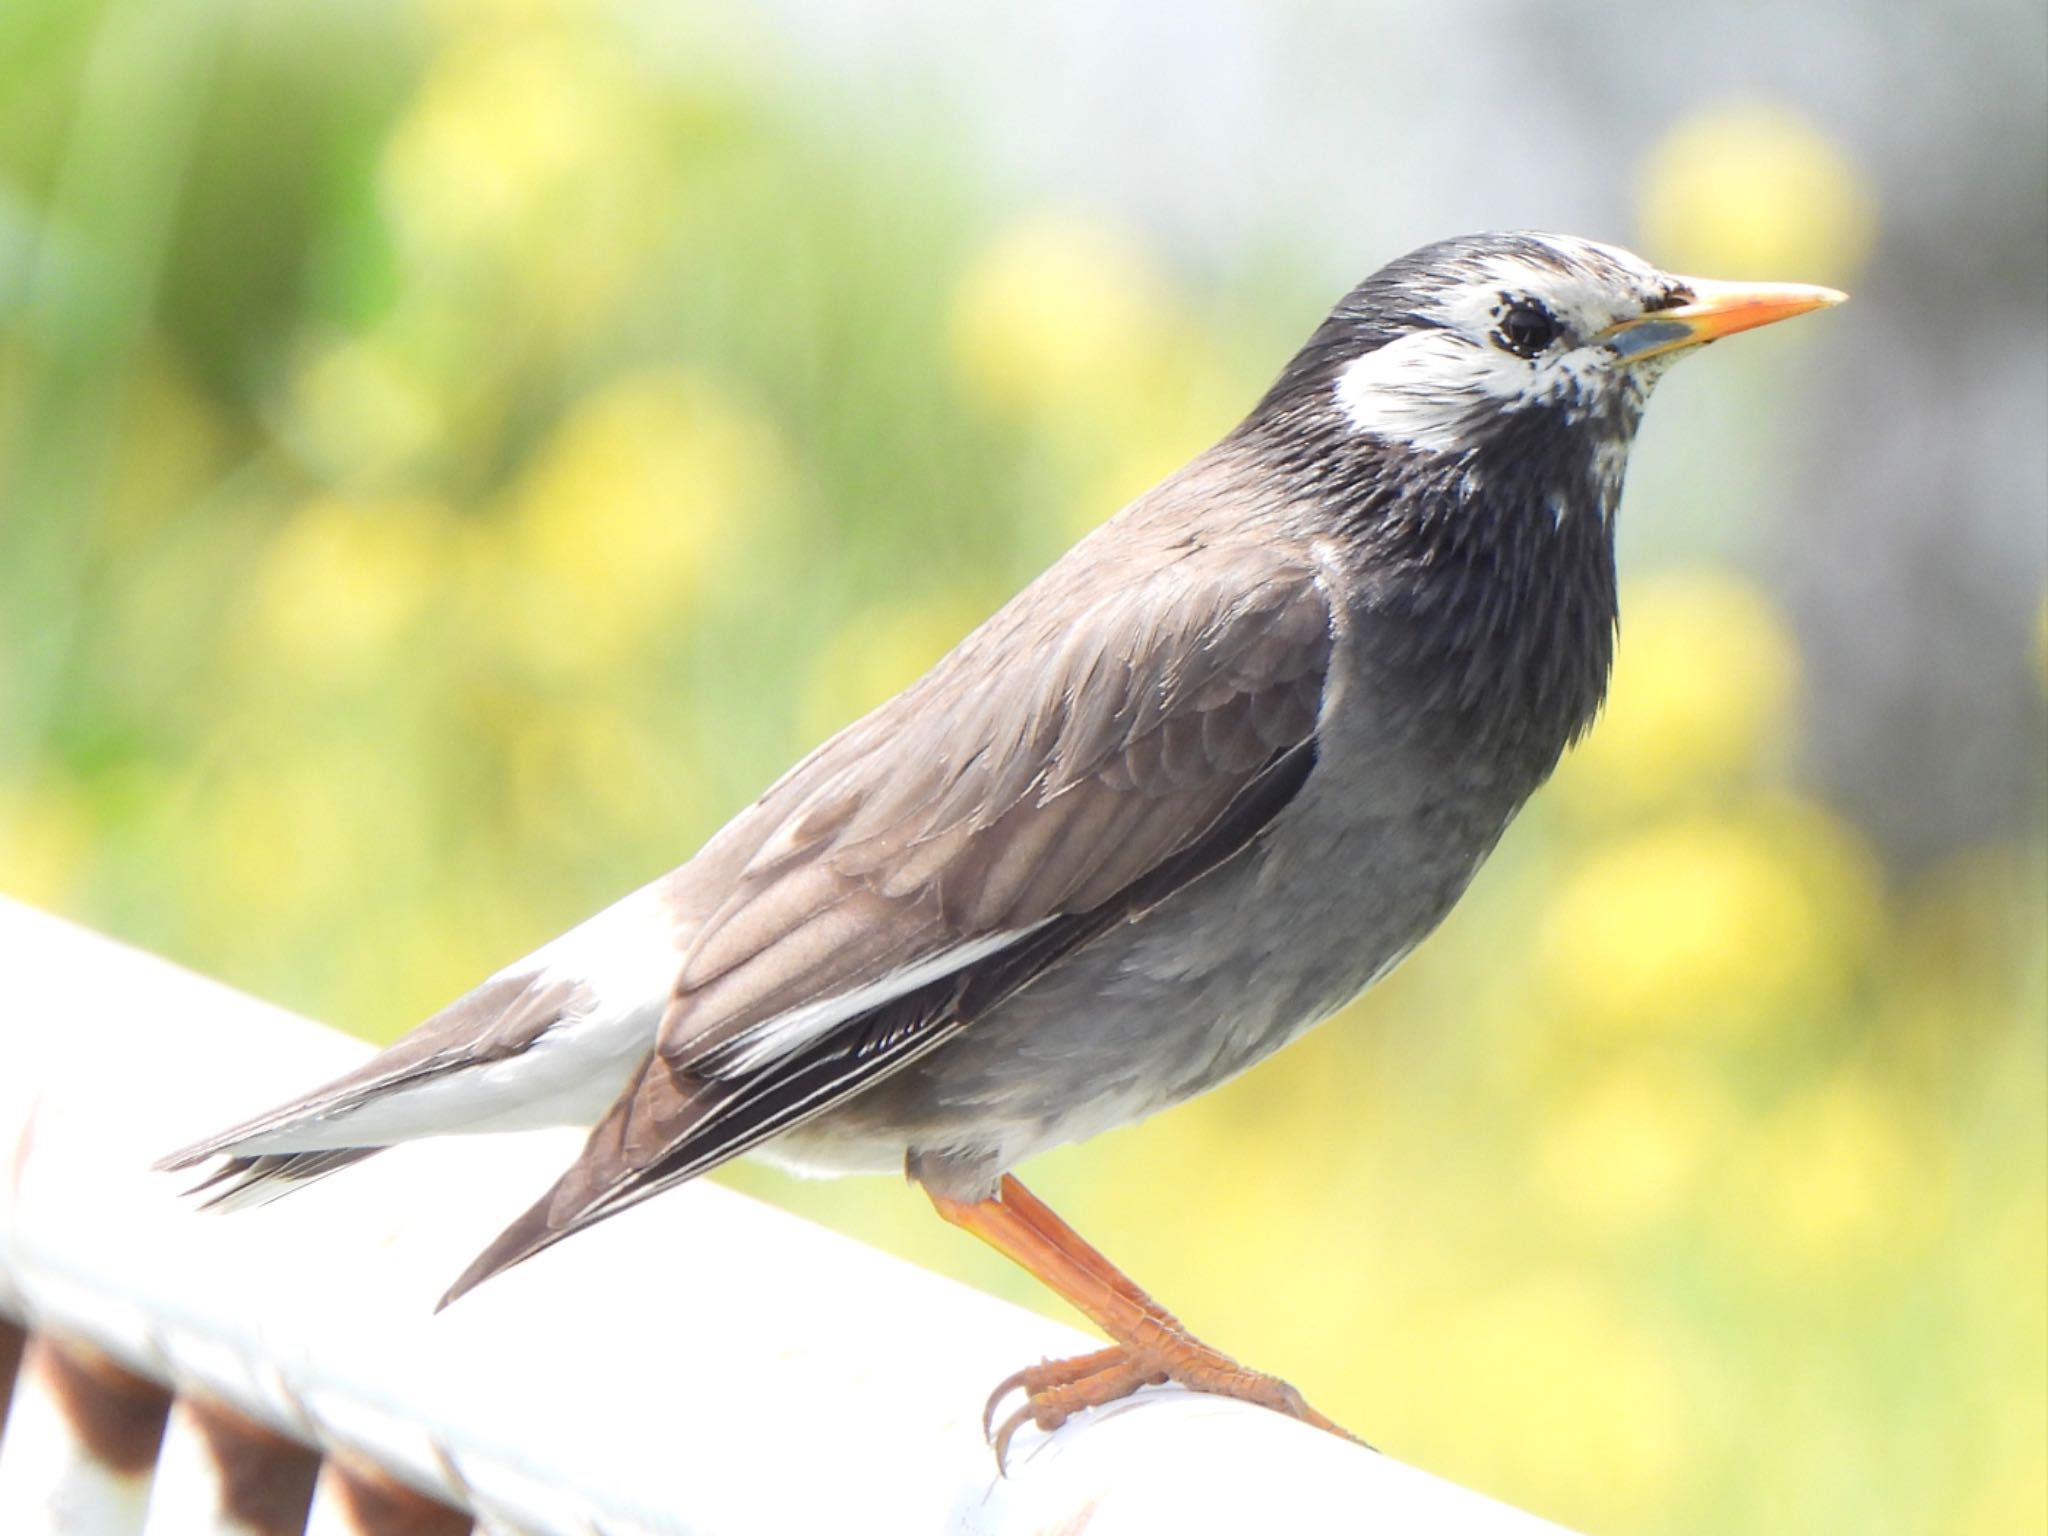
(1217, 770)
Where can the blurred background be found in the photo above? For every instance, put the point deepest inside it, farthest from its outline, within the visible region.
(453, 453)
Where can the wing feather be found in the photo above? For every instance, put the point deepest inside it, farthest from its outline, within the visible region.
(1135, 718)
(1132, 721)
(671, 1124)
(995, 795)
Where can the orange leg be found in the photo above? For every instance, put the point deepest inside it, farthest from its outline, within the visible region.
(1150, 1344)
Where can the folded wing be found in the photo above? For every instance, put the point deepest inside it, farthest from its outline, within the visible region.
(1077, 760)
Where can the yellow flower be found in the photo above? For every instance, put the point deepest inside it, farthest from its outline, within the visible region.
(342, 580)
(1706, 923)
(1064, 324)
(1703, 687)
(531, 163)
(2015, 1495)
(1056, 316)
(279, 832)
(1753, 190)
(362, 411)
(504, 122)
(1845, 1173)
(1626, 1149)
(623, 511)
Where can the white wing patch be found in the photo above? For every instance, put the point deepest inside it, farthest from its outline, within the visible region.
(774, 1038)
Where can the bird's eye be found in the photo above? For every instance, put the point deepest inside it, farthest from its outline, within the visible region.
(1525, 328)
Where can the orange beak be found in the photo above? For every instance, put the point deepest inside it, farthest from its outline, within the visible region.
(1717, 310)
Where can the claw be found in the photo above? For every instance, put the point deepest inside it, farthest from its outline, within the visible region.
(1011, 1425)
(1055, 1390)
(1004, 1388)
(1047, 1380)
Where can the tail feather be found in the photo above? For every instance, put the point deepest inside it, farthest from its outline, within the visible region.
(492, 1024)
(240, 1183)
(609, 1174)
(528, 1235)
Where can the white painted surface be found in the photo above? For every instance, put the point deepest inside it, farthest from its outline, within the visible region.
(702, 1364)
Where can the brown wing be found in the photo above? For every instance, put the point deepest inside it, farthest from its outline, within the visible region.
(1134, 719)
(1073, 743)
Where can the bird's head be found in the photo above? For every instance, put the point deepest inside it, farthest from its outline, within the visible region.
(1511, 338)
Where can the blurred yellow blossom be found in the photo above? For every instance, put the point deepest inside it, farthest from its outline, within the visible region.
(504, 121)
(284, 823)
(1702, 691)
(1064, 323)
(623, 510)
(2008, 1279)
(362, 412)
(1752, 190)
(1624, 1149)
(527, 154)
(1057, 314)
(342, 579)
(1711, 922)
(1844, 1173)
(2014, 1497)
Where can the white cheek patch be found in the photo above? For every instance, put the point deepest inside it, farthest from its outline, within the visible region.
(1424, 389)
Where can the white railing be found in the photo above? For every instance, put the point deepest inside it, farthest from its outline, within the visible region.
(702, 1364)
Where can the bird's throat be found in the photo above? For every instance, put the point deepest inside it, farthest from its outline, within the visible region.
(1492, 604)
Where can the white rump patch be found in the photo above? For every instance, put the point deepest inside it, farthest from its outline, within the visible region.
(628, 954)
(625, 957)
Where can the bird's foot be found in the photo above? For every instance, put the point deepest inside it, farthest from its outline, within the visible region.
(1055, 1390)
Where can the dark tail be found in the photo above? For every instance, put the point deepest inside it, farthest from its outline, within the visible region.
(533, 1231)
(242, 1182)
(604, 1180)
